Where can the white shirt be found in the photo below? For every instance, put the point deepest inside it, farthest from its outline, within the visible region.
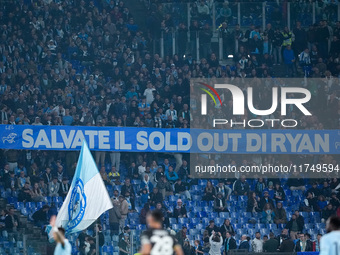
(148, 93)
(330, 243)
(257, 245)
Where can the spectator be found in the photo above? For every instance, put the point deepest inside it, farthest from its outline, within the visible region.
(64, 188)
(265, 200)
(124, 209)
(321, 202)
(22, 180)
(229, 243)
(289, 60)
(211, 227)
(287, 245)
(260, 186)
(156, 197)
(25, 194)
(180, 211)
(53, 187)
(257, 243)
(114, 176)
(143, 213)
(326, 190)
(224, 189)
(280, 214)
(198, 248)
(40, 216)
(294, 226)
(314, 190)
(127, 187)
(187, 248)
(220, 204)
(310, 202)
(124, 244)
(114, 217)
(327, 212)
(268, 214)
(241, 187)
(209, 192)
(216, 242)
(316, 245)
(165, 187)
(244, 244)
(181, 235)
(11, 222)
(227, 227)
(335, 201)
(252, 203)
(272, 244)
(11, 182)
(303, 245)
(146, 184)
(171, 175)
(180, 188)
(37, 195)
(279, 194)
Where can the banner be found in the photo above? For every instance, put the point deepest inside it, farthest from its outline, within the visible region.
(237, 141)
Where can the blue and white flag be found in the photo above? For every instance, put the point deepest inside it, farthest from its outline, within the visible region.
(87, 198)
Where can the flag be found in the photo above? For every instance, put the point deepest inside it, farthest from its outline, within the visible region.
(87, 198)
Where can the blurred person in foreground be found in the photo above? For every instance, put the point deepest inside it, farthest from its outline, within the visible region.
(156, 240)
(63, 246)
(330, 243)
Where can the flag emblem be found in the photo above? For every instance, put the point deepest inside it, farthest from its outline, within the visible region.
(77, 205)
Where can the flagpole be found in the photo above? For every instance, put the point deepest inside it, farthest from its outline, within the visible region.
(97, 240)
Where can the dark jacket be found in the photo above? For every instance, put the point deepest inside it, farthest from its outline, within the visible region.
(179, 211)
(300, 222)
(263, 202)
(129, 189)
(244, 246)
(287, 246)
(240, 187)
(271, 245)
(114, 214)
(309, 246)
(232, 244)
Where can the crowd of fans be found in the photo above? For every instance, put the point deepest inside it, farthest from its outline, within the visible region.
(88, 63)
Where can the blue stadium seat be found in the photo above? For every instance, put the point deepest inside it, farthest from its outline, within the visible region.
(200, 226)
(193, 232)
(251, 231)
(224, 215)
(264, 231)
(272, 226)
(218, 221)
(183, 220)
(202, 214)
(173, 220)
(176, 226)
(259, 226)
(205, 221)
(195, 220)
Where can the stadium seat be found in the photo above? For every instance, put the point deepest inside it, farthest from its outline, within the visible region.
(183, 220)
(172, 220)
(195, 220)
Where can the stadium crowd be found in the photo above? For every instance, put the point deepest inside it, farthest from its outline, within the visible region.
(88, 63)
